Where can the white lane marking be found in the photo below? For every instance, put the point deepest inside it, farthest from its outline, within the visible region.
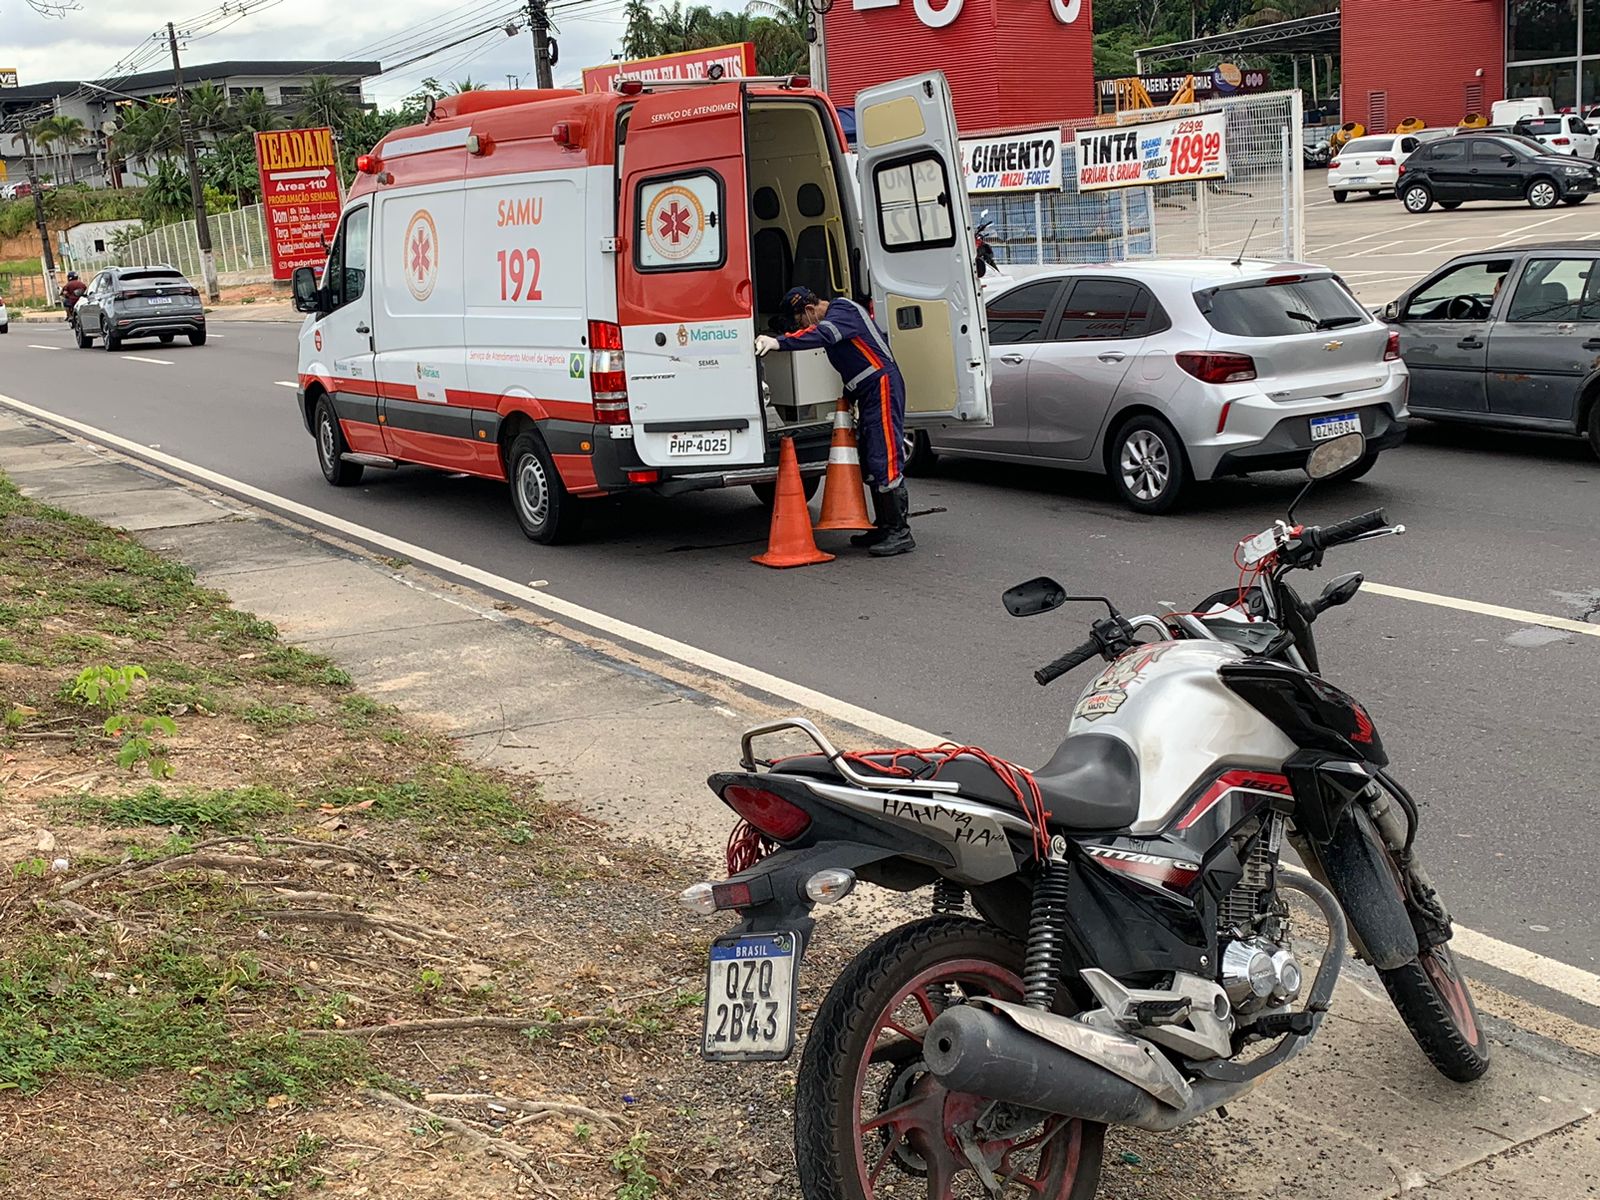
(1536, 224)
(1503, 956)
(285, 383)
(1440, 246)
(1520, 615)
(1364, 237)
(160, 362)
(34, 346)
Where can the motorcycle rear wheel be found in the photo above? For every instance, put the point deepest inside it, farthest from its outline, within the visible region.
(866, 1114)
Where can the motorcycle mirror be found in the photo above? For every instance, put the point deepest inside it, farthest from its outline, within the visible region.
(1335, 455)
(1037, 596)
(1340, 591)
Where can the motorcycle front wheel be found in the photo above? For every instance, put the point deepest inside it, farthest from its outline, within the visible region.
(871, 1121)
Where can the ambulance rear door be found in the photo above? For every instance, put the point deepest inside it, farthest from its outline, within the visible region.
(920, 248)
(685, 300)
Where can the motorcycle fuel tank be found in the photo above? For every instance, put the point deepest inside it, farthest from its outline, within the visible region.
(1168, 702)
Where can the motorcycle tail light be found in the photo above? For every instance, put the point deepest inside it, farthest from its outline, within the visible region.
(732, 895)
(1208, 367)
(1391, 352)
(768, 812)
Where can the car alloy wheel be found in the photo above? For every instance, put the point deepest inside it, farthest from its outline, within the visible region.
(1418, 199)
(1146, 465)
(1542, 194)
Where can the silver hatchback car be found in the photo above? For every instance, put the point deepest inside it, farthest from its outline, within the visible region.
(1161, 372)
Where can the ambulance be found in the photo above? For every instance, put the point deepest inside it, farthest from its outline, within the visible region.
(563, 290)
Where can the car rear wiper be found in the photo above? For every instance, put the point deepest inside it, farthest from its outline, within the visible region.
(1300, 316)
(1338, 322)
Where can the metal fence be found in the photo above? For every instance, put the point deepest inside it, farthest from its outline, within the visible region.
(1259, 208)
(238, 240)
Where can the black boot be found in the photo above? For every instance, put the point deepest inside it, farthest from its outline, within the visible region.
(881, 512)
(896, 506)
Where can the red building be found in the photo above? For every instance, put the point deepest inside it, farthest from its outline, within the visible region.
(1010, 62)
(1439, 61)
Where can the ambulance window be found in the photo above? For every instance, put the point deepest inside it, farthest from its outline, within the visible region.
(914, 204)
(679, 223)
(346, 274)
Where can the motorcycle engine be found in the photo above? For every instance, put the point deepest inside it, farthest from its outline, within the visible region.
(1259, 970)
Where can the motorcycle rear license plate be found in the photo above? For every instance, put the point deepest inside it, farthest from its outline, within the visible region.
(751, 997)
(1334, 425)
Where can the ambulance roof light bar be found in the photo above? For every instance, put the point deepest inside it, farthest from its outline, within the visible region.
(632, 87)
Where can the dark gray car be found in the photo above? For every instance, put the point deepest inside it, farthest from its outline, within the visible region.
(1507, 337)
(139, 302)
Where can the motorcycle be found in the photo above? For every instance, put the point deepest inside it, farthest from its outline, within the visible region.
(1109, 940)
(985, 252)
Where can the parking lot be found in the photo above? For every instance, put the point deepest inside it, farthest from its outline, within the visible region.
(1380, 248)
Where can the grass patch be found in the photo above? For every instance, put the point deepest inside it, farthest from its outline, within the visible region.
(222, 810)
(79, 1004)
(442, 798)
(276, 717)
(290, 664)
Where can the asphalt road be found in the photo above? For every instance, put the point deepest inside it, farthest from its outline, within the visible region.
(1492, 722)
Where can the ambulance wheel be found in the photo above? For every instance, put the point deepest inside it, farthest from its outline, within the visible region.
(331, 446)
(767, 493)
(545, 509)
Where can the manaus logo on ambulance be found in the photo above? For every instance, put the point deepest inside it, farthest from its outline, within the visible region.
(420, 254)
(675, 223)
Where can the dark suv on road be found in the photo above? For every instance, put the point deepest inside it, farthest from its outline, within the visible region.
(1453, 170)
(1507, 337)
(139, 302)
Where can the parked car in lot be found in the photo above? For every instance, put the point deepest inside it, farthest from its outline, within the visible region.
(1507, 337)
(1372, 164)
(1162, 372)
(1563, 133)
(5, 318)
(123, 303)
(1453, 170)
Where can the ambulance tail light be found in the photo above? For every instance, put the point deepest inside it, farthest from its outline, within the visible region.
(608, 376)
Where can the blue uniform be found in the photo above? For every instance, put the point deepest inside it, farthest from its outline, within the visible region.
(859, 351)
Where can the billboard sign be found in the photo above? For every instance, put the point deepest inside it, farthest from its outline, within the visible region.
(737, 61)
(1222, 80)
(1158, 152)
(300, 195)
(1013, 162)
(8, 77)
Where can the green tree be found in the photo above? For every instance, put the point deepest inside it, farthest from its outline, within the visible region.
(325, 102)
(146, 132)
(229, 166)
(639, 38)
(61, 135)
(251, 113)
(166, 193)
(776, 27)
(208, 109)
(469, 84)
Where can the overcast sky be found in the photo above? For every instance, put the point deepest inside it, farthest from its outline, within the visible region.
(89, 42)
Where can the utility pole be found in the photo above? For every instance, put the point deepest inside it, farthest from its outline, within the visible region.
(47, 256)
(197, 191)
(539, 22)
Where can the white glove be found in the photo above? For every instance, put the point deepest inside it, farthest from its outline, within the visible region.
(764, 344)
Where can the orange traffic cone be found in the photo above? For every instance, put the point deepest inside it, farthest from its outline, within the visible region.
(790, 543)
(844, 501)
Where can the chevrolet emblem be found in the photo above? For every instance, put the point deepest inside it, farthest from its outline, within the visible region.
(1333, 346)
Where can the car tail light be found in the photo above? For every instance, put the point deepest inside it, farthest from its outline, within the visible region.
(1561, 141)
(124, 296)
(644, 476)
(1334, 164)
(1402, 168)
(608, 376)
(1386, 161)
(1391, 352)
(767, 812)
(1217, 368)
(190, 292)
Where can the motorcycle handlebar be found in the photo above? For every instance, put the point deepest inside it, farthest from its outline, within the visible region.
(1072, 659)
(1345, 531)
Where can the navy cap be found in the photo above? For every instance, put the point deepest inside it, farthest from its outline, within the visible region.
(797, 299)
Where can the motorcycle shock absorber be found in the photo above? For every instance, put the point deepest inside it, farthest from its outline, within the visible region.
(1047, 930)
(949, 899)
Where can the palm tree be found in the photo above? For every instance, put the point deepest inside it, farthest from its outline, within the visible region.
(166, 192)
(467, 85)
(251, 113)
(324, 102)
(145, 133)
(66, 132)
(639, 37)
(208, 108)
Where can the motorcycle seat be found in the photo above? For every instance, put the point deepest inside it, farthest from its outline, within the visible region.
(1090, 784)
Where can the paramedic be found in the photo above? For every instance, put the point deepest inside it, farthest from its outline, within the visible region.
(858, 350)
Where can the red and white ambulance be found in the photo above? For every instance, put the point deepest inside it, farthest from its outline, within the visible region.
(563, 290)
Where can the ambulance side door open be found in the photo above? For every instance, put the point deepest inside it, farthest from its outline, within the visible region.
(918, 230)
(685, 299)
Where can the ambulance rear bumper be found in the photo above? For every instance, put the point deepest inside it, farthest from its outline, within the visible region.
(615, 459)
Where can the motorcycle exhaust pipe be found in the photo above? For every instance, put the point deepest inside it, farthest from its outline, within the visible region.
(980, 1052)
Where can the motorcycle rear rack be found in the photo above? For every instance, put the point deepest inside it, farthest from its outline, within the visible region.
(836, 757)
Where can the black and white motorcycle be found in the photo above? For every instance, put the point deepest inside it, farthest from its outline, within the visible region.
(1130, 961)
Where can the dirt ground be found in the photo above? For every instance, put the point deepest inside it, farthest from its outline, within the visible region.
(290, 945)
